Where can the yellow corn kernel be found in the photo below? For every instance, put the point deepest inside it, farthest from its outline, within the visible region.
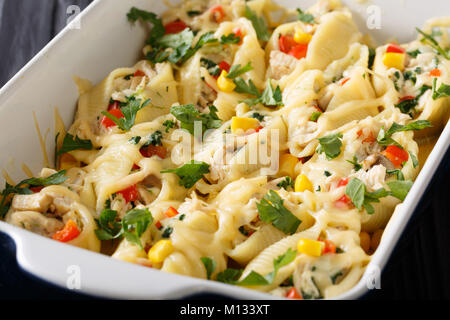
(244, 124)
(310, 247)
(287, 165)
(67, 162)
(302, 183)
(302, 37)
(225, 84)
(394, 60)
(160, 251)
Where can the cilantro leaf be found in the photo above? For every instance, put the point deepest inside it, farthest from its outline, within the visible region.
(243, 87)
(432, 42)
(154, 139)
(188, 114)
(305, 17)
(442, 92)
(169, 124)
(24, 186)
(108, 227)
(331, 145)
(400, 189)
(258, 116)
(414, 53)
(134, 224)
(190, 173)
(397, 172)
(356, 166)
(135, 140)
(357, 192)
(384, 137)
(158, 29)
(286, 183)
(272, 210)
(71, 143)
(236, 70)
(129, 111)
(258, 23)
(315, 116)
(211, 66)
(210, 266)
(230, 39)
(231, 276)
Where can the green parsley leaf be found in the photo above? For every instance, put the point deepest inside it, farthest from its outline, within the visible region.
(230, 39)
(305, 17)
(432, 42)
(167, 232)
(211, 66)
(331, 145)
(397, 172)
(71, 143)
(169, 124)
(135, 140)
(236, 70)
(210, 266)
(315, 116)
(188, 114)
(414, 53)
(108, 227)
(158, 29)
(270, 96)
(243, 87)
(258, 23)
(232, 276)
(286, 183)
(129, 111)
(384, 137)
(372, 54)
(134, 224)
(24, 186)
(414, 160)
(258, 116)
(357, 192)
(442, 92)
(190, 173)
(272, 210)
(154, 139)
(354, 162)
(400, 189)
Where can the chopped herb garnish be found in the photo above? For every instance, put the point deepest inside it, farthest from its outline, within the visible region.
(432, 42)
(397, 172)
(72, 143)
(315, 116)
(167, 232)
(258, 23)
(232, 276)
(372, 54)
(269, 97)
(236, 70)
(305, 17)
(182, 217)
(193, 13)
(327, 173)
(24, 187)
(384, 137)
(258, 116)
(286, 183)
(169, 124)
(272, 210)
(190, 173)
(230, 39)
(442, 92)
(210, 266)
(188, 114)
(129, 111)
(135, 140)
(243, 87)
(354, 162)
(154, 139)
(414, 53)
(330, 145)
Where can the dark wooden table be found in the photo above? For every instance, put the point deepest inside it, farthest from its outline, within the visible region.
(418, 268)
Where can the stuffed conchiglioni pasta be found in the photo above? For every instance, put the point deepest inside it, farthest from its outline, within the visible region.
(252, 145)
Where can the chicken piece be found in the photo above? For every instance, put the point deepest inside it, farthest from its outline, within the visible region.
(281, 64)
(39, 202)
(35, 222)
(375, 159)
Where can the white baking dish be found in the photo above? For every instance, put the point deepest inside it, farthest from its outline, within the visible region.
(107, 41)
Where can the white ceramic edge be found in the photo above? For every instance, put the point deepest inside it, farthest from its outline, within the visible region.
(49, 260)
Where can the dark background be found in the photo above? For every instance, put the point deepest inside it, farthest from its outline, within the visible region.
(418, 269)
